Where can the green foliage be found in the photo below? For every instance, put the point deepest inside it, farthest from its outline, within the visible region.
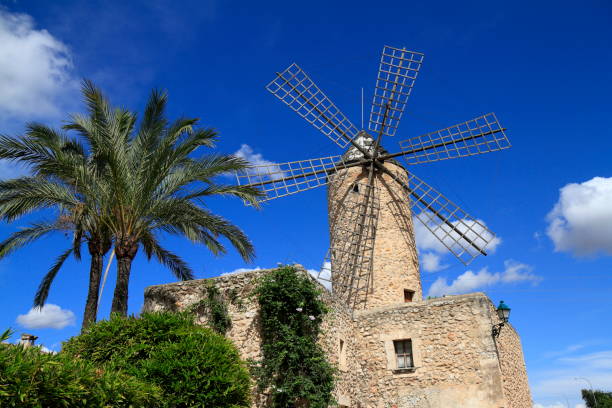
(194, 366)
(31, 378)
(604, 399)
(294, 370)
(117, 181)
(214, 307)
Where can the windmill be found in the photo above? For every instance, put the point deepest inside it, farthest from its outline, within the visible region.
(372, 198)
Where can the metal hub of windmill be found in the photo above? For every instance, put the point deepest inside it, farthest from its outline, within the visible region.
(466, 237)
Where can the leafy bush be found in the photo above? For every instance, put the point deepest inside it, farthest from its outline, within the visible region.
(31, 378)
(595, 398)
(194, 366)
(294, 370)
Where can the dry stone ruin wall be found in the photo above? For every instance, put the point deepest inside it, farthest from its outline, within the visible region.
(243, 310)
(455, 356)
(514, 371)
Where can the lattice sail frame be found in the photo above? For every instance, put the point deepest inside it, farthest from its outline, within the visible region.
(480, 135)
(465, 236)
(349, 263)
(397, 73)
(277, 180)
(296, 90)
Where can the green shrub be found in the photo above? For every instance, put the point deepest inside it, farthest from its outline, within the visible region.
(194, 366)
(294, 370)
(596, 398)
(31, 378)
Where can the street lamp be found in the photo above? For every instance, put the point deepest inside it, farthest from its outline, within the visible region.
(503, 312)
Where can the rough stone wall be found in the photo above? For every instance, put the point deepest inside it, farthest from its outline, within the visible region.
(395, 261)
(512, 364)
(454, 355)
(245, 321)
(243, 312)
(339, 327)
(456, 358)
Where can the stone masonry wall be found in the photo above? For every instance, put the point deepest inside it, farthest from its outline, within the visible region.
(514, 371)
(245, 321)
(243, 312)
(457, 363)
(454, 355)
(395, 261)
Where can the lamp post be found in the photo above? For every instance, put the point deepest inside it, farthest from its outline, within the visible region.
(591, 386)
(503, 312)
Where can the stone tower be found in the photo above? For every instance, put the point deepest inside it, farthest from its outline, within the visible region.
(372, 231)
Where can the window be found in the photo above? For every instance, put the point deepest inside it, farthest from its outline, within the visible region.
(342, 357)
(403, 353)
(355, 188)
(408, 295)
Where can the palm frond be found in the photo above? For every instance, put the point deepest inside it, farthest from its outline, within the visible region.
(77, 240)
(185, 217)
(45, 285)
(23, 195)
(177, 266)
(27, 235)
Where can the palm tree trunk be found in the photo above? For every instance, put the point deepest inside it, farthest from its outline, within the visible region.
(97, 249)
(91, 306)
(125, 255)
(120, 297)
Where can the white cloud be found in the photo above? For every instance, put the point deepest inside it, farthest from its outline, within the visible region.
(470, 281)
(50, 316)
(567, 350)
(241, 270)
(557, 405)
(323, 276)
(432, 251)
(566, 376)
(581, 221)
(263, 167)
(35, 70)
(432, 262)
(47, 350)
(598, 360)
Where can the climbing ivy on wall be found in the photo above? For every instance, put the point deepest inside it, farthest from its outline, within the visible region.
(214, 306)
(294, 371)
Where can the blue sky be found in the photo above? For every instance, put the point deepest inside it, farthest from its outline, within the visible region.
(543, 67)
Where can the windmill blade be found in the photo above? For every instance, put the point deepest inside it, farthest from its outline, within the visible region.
(277, 180)
(396, 76)
(349, 262)
(477, 136)
(465, 236)
(294, 88)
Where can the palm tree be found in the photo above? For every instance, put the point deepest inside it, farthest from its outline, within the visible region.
(156, 185)
(116, 185)
(62, 177)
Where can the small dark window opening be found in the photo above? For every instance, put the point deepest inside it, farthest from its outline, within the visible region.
(403, 353)
(342, 356)
(408, 295)
(355, 188)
